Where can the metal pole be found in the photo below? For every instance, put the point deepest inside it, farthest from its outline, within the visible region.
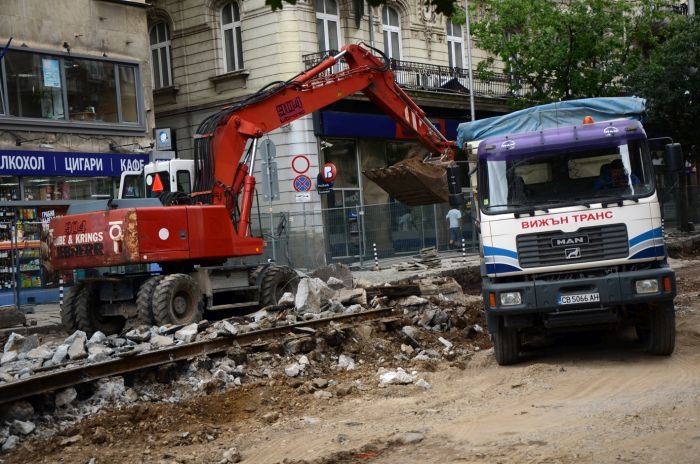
(371, 26)
(469, 62)
(14, 245)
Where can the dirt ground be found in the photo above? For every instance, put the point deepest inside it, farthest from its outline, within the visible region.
(574, 401)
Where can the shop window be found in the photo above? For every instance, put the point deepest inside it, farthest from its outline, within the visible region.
(65, 88)
(3, 108)
(67, 188)
(343, 153)
(9, 188)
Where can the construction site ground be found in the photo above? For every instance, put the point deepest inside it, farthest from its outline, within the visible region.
(582, 399)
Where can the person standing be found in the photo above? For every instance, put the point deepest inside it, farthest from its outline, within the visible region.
(454, 217)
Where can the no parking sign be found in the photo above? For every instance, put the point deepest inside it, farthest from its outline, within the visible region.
(302, 183)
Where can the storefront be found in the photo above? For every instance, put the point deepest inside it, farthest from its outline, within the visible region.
(48, 175)
(34, 187)
(355, 142)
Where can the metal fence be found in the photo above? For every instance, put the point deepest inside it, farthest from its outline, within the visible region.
(356, 235)
(413, 75)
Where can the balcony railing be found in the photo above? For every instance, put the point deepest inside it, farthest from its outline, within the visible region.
(411, 75)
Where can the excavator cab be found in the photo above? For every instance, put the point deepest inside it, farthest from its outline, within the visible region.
(157, 178)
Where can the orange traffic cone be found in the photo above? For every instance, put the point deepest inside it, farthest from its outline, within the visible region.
(157, 184)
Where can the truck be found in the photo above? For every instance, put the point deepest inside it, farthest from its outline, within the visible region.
(570, 228)
(167, 250)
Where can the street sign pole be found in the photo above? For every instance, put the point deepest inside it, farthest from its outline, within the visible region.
(269, 153)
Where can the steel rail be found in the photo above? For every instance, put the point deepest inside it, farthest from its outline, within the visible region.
(67, 377)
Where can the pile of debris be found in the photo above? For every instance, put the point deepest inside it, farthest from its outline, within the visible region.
(435, 305)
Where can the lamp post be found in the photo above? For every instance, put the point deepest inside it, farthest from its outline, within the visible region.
(469, 61)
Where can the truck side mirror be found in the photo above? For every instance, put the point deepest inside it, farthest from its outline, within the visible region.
(673, 157)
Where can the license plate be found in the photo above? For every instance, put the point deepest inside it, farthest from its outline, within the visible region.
(579, 298)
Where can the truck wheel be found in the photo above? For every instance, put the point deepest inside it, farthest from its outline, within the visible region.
(87, 315)
(68, 309)
(144, 301)
(662, 329)
(177, 300)
(276, 282)
(506, 345)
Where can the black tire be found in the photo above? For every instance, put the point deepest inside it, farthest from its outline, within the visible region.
(506, 345)
(177, 300)
(68, 319)
(662, 329)
(276, 281)
(144, 301)
(88, 318)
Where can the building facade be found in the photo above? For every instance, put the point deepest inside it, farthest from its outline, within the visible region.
(76, 111)
(207, 54)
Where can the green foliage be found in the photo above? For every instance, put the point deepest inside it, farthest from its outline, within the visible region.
(554, 50)
(668, 77)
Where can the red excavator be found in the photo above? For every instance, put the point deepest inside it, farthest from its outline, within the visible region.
(190, 236)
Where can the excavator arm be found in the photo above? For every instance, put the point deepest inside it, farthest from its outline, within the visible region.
(222, 139)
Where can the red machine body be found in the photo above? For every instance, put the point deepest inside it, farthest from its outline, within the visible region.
(129, 236)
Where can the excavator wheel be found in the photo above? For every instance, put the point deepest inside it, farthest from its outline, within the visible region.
(254, 272)
(276, 281)
(87, 317)
(144, 301)
(177, 300)
(68, 309)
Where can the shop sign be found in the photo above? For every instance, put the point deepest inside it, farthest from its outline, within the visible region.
(322, 186)
(70, 164)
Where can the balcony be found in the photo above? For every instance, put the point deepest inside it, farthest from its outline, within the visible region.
(411, 75)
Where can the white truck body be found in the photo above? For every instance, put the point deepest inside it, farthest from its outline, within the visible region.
(571, 234)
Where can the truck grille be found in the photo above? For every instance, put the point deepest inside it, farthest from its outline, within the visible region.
(584, 245)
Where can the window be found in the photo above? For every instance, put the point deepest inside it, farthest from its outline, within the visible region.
(3, 110)
(454, 45)
(231, 33)
(391, 30)
(67, 188)
(65, 88)
(327, 22)
(160, 56)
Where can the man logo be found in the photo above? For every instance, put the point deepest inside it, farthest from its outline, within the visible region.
(568, 241)
(572, 253)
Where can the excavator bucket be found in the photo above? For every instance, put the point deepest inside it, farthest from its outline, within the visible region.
(413, 182)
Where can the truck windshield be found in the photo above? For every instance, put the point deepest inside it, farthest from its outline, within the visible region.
(519, 182)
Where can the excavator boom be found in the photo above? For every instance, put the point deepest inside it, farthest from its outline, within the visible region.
(223, 137)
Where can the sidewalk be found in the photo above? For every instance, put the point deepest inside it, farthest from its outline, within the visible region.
(40, 319)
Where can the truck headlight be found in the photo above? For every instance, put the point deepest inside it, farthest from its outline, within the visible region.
(647, 286)
(511, 298)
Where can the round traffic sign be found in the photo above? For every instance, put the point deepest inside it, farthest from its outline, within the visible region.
(301, 164)
(328, 172)
(302, 183)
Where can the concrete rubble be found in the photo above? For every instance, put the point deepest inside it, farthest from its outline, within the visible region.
(441, 307)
